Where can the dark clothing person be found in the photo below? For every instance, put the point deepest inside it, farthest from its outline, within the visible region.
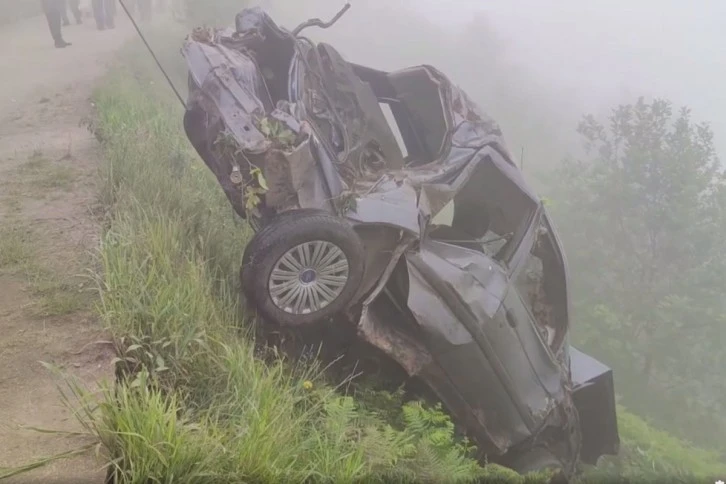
(104, 11)
(76, 10)
(53, 13)
(64, 12)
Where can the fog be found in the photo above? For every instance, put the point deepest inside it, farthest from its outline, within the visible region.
(539, 66)
(606, 51)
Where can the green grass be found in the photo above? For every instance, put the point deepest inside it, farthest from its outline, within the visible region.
(648, 455)
(39, 174)
(16, 246)
(56, 296)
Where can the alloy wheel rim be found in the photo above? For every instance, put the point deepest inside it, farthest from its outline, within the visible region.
(308, 277)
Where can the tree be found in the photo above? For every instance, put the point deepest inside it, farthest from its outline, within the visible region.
(642, 217)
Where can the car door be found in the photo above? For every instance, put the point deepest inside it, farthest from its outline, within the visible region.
(482, 335)
(455, 295)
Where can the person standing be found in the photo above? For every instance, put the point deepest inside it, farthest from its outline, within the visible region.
(76, 10)
(54, 15)
(103, 12)
(64, 12)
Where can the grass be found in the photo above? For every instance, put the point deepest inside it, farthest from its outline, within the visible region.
(39, 174)
(16, 246)
(649, 454)
(58, 297)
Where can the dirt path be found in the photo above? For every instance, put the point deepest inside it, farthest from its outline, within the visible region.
(47, 229)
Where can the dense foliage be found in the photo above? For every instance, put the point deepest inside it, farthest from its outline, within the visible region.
(642, 215)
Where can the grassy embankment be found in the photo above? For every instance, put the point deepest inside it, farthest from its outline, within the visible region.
(207, 406)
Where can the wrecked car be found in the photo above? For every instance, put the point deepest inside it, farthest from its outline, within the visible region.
(389, 201)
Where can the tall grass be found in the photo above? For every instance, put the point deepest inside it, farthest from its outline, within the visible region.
(200, 402)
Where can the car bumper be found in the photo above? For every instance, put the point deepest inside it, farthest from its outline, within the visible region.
(594, 396)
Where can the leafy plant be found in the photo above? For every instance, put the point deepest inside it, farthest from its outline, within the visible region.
(254, 185)
(277, 132)
(345, 202)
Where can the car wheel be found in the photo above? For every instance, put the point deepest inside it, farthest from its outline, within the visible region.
(303, 268)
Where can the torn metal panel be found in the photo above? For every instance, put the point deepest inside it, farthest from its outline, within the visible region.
(237, 93)
(478, 282)
(433, 314)
(594, 398)
(393, 204)
(404, 349)
(400, 345)
(306, 177)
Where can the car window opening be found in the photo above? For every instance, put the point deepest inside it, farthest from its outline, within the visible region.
(413, 110)
(273, 55)
(541, 283)
(487, 215)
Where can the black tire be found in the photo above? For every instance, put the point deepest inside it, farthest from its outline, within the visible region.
(250, 248)
(284, 233)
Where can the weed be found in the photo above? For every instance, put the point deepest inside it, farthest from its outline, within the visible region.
(41, 175)
(57, 297)
(16, 248)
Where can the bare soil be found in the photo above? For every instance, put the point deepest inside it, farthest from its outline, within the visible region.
(48, 192)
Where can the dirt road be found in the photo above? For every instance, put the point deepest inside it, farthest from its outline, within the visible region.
(47, 229)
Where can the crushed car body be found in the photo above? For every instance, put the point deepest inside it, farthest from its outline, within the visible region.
(389, 199)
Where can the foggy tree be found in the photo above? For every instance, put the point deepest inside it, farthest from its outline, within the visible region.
(642, 217)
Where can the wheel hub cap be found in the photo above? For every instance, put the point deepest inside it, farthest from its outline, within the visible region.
(308, 277)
